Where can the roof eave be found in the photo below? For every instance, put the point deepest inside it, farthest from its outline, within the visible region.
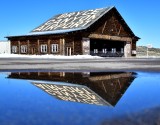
(45, 33)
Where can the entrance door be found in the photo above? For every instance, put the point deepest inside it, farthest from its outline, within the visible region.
(69, 51)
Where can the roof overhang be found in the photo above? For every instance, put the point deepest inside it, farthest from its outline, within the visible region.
(56, 32)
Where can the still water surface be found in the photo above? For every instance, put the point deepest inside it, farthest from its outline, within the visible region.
(75, 98)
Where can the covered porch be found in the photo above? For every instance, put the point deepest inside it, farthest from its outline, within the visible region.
(106, 48)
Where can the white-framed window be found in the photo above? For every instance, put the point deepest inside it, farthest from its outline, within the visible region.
(113, 50)
(44, 48)
(54, 48)
(23, 48)
(95, 51)
(104, 50)
(14, 49)
(122, 50)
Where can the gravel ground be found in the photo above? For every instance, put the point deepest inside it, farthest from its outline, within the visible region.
(102, 64)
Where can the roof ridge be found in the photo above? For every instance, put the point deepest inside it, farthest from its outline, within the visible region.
(83, 10)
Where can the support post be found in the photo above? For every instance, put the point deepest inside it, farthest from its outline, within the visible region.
(86, 46)
(62, 46)
(73, 46)
(127, 49)
(28, 47)
(19, 47)
(49, 46)
(38, 47)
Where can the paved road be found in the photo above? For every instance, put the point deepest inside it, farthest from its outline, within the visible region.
(102, 64)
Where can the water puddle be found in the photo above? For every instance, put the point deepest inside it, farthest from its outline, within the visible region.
(75, 97)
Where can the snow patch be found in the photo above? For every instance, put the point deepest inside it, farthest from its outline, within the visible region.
(49, 56)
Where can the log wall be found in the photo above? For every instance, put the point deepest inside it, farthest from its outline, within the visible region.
(34, 45)
(78, 46)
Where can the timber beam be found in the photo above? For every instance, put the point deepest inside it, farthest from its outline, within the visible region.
(108, 37)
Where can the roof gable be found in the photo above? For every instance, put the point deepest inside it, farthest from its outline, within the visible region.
(75, 20)
(112, 24)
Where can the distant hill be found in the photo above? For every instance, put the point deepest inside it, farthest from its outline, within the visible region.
(142, 51)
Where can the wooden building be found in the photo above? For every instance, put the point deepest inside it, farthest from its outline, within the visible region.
(100, 88)
(101, 32)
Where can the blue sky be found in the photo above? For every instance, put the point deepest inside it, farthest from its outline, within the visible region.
(21, 16)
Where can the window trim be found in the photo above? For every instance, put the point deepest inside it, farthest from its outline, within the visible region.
(54, 48)
(23, 48)
(44, 48)
(14, 49)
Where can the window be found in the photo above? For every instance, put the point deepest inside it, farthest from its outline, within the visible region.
(54, 48)
(23, 48)
(113, 50)
(14, 49)
(122, 50)
(104, 50)
(95, 50)
(44, 48)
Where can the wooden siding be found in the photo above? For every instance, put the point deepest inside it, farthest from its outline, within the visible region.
(110, 24)
(78, 46)
(108, 37)
(134, 45)
(33, 47)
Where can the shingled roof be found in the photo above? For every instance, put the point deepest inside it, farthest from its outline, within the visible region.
(71, 21)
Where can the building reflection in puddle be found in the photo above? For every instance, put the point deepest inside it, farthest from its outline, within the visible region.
(100, 88)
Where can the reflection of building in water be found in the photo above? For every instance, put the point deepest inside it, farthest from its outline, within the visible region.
(94, 88)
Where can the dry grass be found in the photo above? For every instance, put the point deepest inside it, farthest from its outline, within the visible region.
(142, 51)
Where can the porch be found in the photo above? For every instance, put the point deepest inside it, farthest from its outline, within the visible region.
(106, 48)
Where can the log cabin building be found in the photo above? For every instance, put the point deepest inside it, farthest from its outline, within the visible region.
(101, 32)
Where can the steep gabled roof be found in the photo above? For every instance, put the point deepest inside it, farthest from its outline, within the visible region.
(72, 21)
